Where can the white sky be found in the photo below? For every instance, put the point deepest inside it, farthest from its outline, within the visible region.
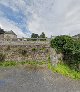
(54, 17)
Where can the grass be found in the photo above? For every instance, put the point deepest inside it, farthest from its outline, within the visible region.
(8, 63)
(13, 63)
(59, 68)
(64, 70)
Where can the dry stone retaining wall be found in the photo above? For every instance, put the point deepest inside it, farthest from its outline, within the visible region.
(38, 52)
(55, 57)
(29, 51)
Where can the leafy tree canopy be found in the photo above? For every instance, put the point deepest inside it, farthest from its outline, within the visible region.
(34, 35)
(42, 35)
(37, 36)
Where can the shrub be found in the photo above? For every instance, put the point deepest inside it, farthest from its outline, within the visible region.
(61, 43)
(70, 49)
(34, 49)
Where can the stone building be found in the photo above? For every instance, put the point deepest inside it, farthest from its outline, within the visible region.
(7, 35)
(10, 35)
(1, 34)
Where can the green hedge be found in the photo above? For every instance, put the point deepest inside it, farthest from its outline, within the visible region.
(70, 48)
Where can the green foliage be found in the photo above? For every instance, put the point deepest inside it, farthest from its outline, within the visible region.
(42, 35)
(2, 57)
(34, 36)
(34, 49)
(38, 36)
(43, 49)
(61, 43)
(65, 70)
(8, 63)
(70, 48)
(13, 63)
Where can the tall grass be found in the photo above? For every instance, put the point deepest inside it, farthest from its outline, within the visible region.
(59, 68)
(64, 70)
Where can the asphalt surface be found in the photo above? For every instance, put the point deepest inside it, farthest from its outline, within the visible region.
(26, 79)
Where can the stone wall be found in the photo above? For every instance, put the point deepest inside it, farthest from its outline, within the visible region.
(1, 37)
(55, 57)
(34, 52)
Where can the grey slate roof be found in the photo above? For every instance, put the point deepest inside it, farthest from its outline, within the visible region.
(10, 32)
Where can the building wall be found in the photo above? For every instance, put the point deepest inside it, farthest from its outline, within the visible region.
(10, 37)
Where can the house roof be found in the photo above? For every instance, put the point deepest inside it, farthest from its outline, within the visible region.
(10, 32)
(78, 36)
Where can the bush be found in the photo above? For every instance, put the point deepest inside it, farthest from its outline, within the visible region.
(70, 49)
(61, 43)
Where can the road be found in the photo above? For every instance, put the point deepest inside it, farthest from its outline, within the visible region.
(26, 79)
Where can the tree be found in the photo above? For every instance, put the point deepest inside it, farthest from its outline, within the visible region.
(37, 36)
(42, 35)
(34, 35)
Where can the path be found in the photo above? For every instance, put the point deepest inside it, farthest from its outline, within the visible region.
(23, 79)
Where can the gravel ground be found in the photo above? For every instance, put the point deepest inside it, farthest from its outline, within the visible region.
(26, 79)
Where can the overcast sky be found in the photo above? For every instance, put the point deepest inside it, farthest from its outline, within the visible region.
(54, 17)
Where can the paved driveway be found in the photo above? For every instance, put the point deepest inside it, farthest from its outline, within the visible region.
(25, 79)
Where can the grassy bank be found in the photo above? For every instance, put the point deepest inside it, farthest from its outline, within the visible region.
(65, 70)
